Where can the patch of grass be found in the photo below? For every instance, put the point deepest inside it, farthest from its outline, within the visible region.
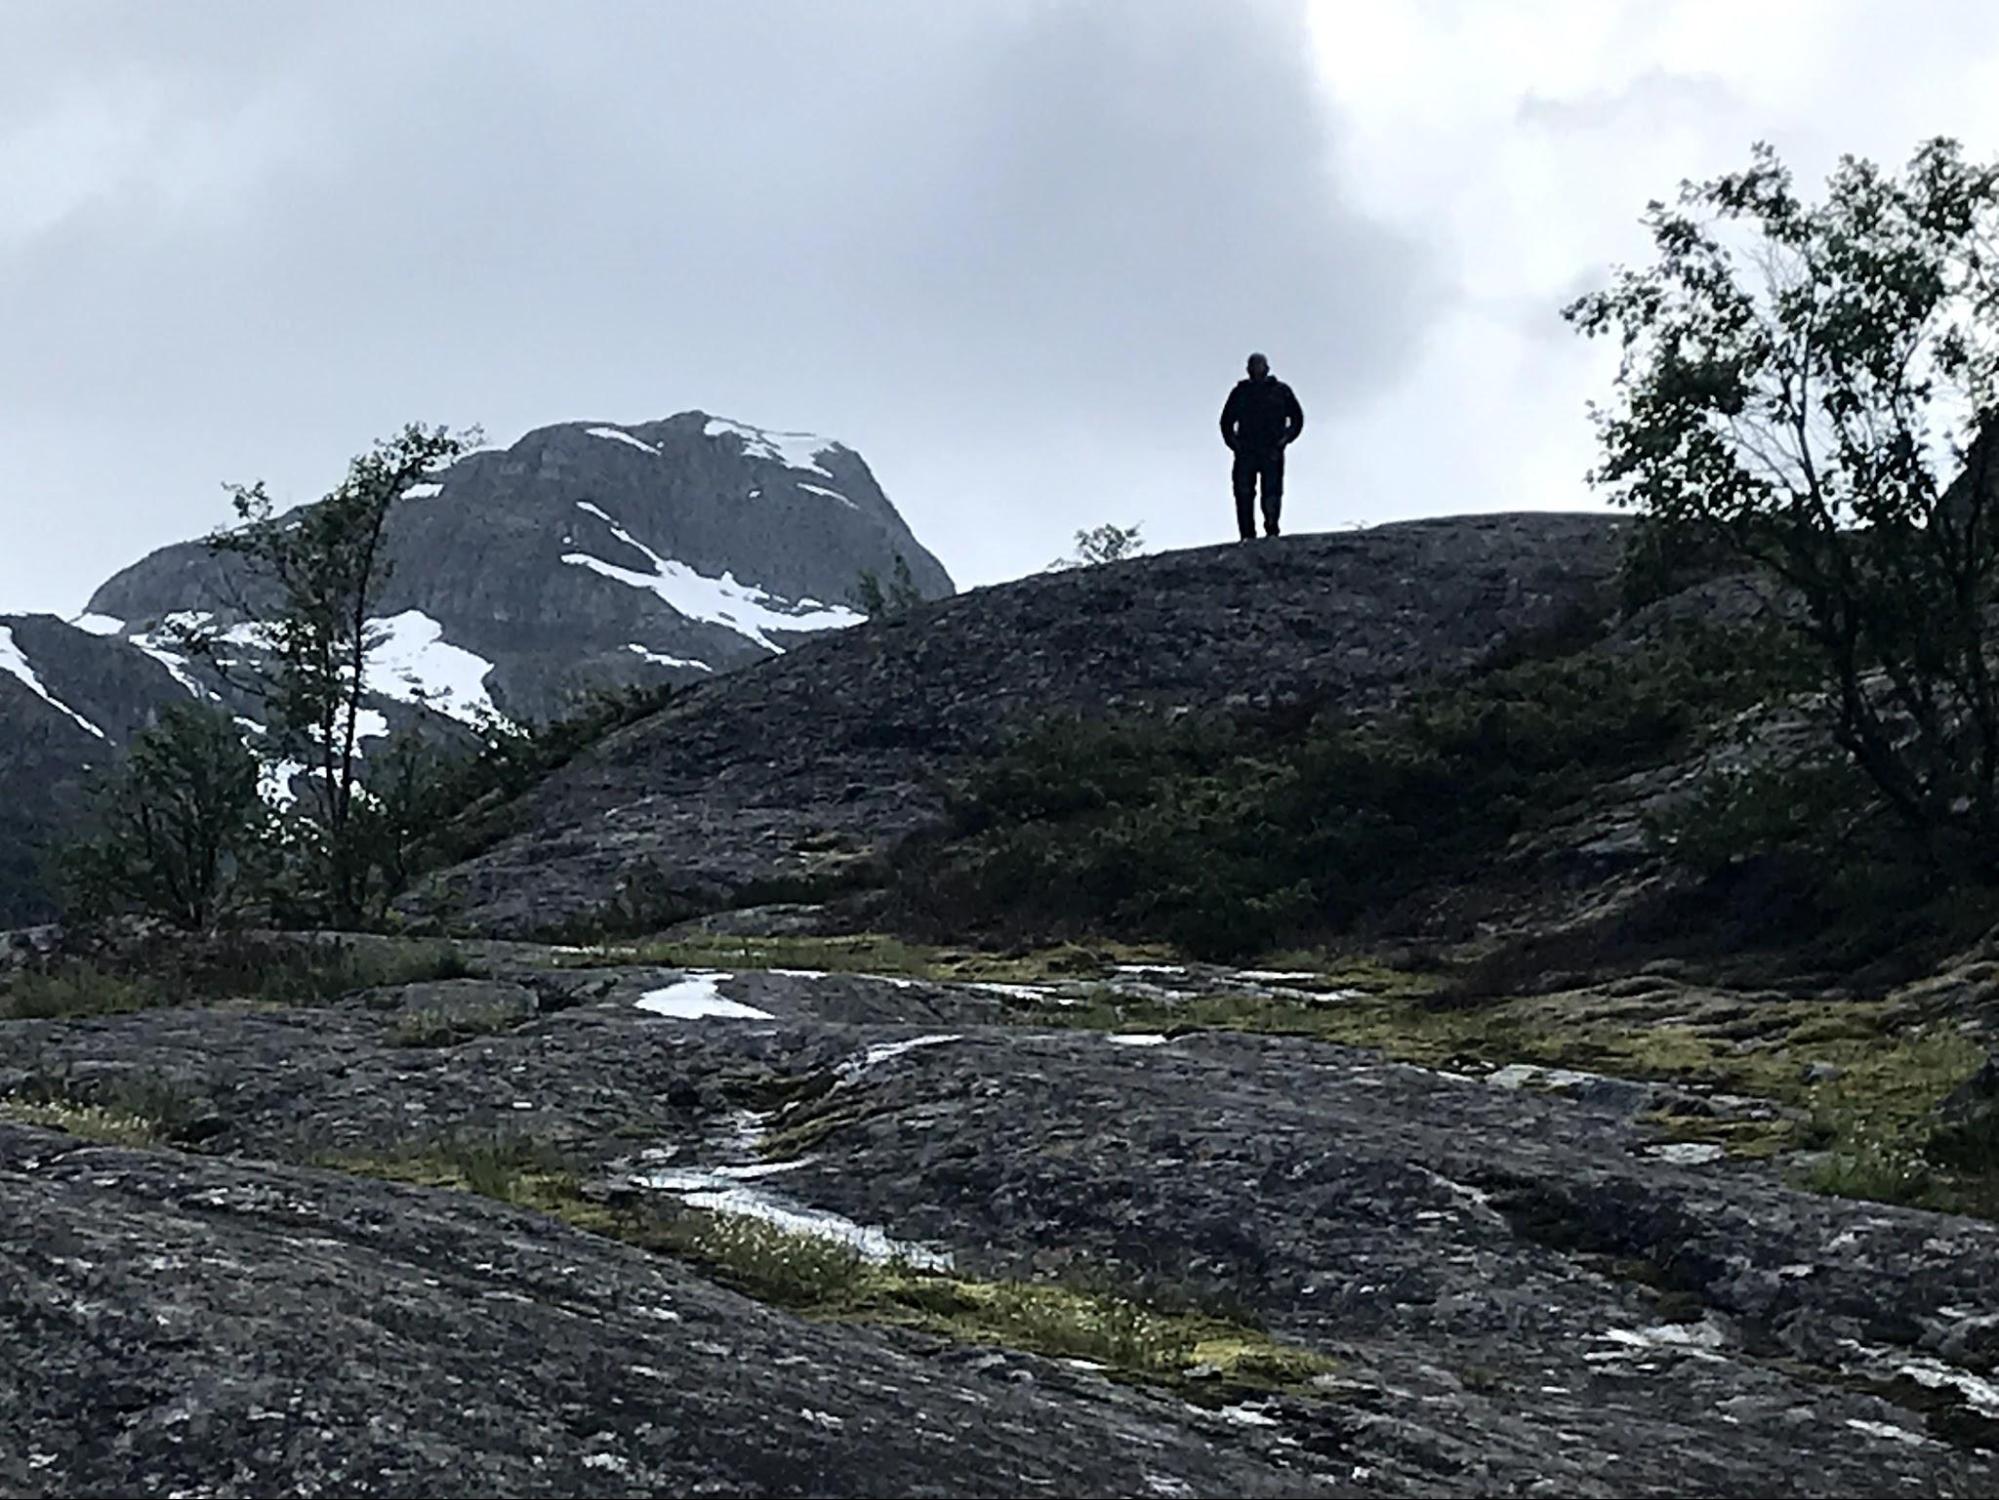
(315, 973)
(823, 1278)
(90, 1122)
(1130, 1337)
(1882, 1171)
(506, 1166)
(264, 968)
(142, 1110)
(73, 988)
(446, 1028)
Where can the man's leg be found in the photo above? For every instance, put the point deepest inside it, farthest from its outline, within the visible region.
(1273, 491)
(1243, 477)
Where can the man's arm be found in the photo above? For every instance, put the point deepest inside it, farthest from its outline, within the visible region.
(1294, 414)
(1230, 417)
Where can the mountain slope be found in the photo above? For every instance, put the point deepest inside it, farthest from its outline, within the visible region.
(584, 557)
(591, 556)
(68, 702)
(834, 752)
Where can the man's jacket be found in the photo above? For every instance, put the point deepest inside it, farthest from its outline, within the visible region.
(1261, 416)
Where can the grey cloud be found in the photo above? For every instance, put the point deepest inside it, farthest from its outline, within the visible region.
(1012, 251)
(1655, 96)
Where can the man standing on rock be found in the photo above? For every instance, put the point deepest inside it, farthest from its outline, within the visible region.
(1260, 420)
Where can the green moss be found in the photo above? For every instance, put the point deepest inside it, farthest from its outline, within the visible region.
(1744, 1138)
(1870, 1109)
(445, 1028)
(826, 1279)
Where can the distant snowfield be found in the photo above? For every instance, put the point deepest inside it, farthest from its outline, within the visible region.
(820, 489)
(741, 607)
(175, 663)
(616, 436)
(795, 450)
(413, 663)
(14, 662)
(409, 661)
(662, 659)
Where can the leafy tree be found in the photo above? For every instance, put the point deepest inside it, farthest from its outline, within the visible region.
(329, 567)
(1814, 386)
(900, 595)
(1107, 543)
(181, 827)
(395, 817)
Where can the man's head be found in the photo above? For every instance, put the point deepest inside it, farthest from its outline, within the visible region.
(1258, 367)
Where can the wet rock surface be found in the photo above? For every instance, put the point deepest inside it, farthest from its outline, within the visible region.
(1522, 1296)
(170, 1324)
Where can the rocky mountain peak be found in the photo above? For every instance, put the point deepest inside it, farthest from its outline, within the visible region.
(585, 556)
(590, 555)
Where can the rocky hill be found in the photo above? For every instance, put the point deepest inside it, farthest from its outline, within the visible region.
(835, 753)
(584, 557)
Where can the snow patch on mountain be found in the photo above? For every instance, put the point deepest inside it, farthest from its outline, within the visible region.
(173, 661)
(622, 437)
(15, 663)
(409, 660)
(725, 601)
(661, 659)
(91, 624)
(795, 450)
(820, 489)
(423, 491)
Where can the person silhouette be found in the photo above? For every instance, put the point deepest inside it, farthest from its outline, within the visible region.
(1259, 421)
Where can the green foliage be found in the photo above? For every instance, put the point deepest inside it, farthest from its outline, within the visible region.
(73, 988)
(116, 1110)
(1803, 855)
(898, 596)
(1815, 387)
(394, 824)
(328, 566)
(1107, 543)
(181, 831)
(1660, 560)
(1816, 808)
(1228, 838)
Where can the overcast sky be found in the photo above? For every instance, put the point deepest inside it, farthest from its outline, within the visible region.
(1014, 251)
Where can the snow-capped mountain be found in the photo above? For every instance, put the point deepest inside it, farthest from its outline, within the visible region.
(586, 556)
